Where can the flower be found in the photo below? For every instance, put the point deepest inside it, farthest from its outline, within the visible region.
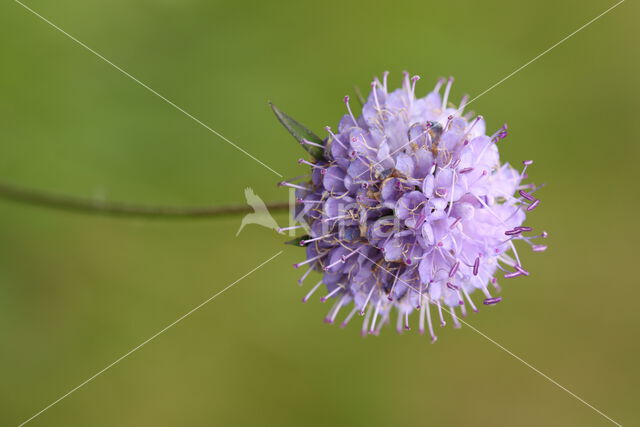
(409, 207)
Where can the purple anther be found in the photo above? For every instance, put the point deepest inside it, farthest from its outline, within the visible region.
(512, 275)
(527, 195)
(454, 269)
(533, 205)
(491, 301)
(521, 270)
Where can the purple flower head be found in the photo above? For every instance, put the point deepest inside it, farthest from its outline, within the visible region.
(409, 207)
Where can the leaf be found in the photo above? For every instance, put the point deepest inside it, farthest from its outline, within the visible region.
(300, 133)
(297, 240)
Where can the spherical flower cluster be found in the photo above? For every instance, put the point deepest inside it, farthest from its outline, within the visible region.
(408, 206)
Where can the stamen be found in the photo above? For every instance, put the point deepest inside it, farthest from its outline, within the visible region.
(463, 103)
(533, 205)
(486, 291)
(384, 80)
(313, 165)
(344, 258)
(348, 318)
(439, 84)
(542, 235)
(330, 294)
(433, 336)
(456, 323)
(515, 252)
(375, 317)
(526, 164)
(374, 85)
(454, 269)
(414, 79)
(500, 134)
(502, 129)
(406, 82)
(306, 298)
(454, 223)
(335, 218)
(366, 301)
(365, 322)
(288, 184)
(512, 275)
(399, 322)
(449, 120)
(521, 270)
(466, 294)
(527, 195)
(395, 280)
(304, 242)
(539, 248)
(445, 98)
(295, 227)
(473, 124)
(333, 135)
(491, 301)
(333, 313)
(346, 101)
(313, 144)
(328, 267)
(442, 322)
(463, 310)
(304, 276)
(476, 266)
(300, 264)
(382, 322)
(482, 202)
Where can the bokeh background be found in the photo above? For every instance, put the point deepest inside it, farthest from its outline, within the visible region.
(78, 291)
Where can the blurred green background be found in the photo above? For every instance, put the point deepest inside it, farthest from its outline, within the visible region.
(77, 292)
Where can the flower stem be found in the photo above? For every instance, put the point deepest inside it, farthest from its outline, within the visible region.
(96, 207)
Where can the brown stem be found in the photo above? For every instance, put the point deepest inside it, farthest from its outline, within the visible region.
(63, 202)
